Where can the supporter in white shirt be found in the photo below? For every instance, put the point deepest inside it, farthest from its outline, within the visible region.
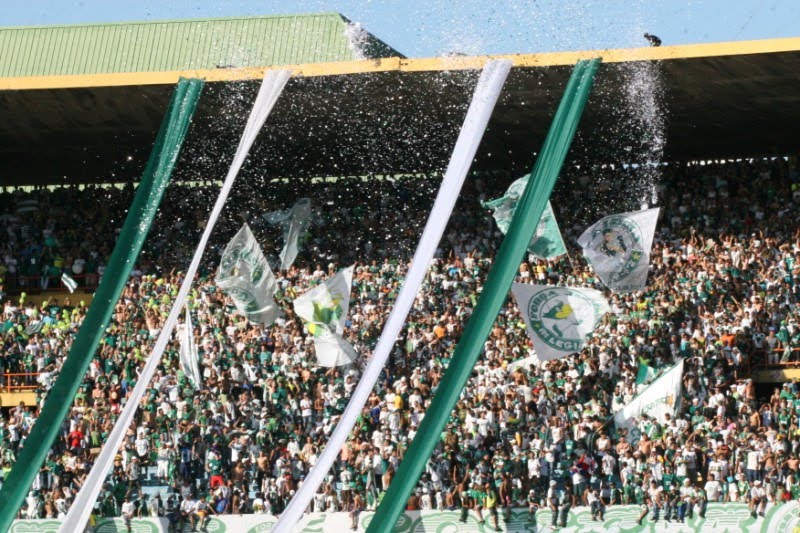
(758, 499)
(713, 489)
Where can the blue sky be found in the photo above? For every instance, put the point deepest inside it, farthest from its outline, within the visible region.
(421, 28)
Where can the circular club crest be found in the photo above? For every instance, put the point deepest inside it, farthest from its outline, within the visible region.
(560, 322)
(245, 297)
(617, 244)
(230, 258)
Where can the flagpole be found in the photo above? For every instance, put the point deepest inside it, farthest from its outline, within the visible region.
(571, 263)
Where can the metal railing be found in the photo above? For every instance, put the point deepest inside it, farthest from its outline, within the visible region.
(760, 360)
(20, 382)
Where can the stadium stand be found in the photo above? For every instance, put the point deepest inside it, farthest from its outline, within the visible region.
(722, 295)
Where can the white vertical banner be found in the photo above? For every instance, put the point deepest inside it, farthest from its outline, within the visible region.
(480, 109)
(78, 515)
(187, 353)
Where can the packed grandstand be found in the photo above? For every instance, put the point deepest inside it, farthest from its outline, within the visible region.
(722, 296)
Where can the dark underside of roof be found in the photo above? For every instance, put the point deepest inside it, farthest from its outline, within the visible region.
(406, 122)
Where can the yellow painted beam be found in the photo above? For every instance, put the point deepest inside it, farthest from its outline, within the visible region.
(61, 296)
(776, 375)
(12, 399)
(406, 65)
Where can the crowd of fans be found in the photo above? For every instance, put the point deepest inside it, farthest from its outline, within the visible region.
(722, 295)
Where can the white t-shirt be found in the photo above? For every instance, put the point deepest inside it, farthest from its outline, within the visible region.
(713, 489)
(128, 508)
(187, 505)
(753, 458)
(142, 447)
(425, 503)
(305, 406)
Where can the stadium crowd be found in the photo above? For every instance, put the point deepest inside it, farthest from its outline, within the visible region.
(722, 295)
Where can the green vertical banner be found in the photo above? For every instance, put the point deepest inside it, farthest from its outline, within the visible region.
(495, 290)
(137, 224)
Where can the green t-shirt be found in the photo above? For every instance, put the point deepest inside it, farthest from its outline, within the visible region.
(627, 492)
(477, 495)
(569, 446)
(214, 466)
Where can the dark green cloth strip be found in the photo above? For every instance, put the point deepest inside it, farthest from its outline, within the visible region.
(526, 218)
(137, 224)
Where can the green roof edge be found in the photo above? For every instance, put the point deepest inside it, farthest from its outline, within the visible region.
(173, 21)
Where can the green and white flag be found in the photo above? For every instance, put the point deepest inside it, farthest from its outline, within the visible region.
(645, 373)
(660, 398)
(295, 223)
(323, 309)
(546, 242)
(618, 248)
(188, 353)
(70, 283)
(246, 277)
(34, 327)
(559, 319)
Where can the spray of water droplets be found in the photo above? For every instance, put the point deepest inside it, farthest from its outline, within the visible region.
(644, 105)
(357, 39)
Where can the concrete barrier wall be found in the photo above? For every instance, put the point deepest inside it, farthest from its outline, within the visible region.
(729, 517)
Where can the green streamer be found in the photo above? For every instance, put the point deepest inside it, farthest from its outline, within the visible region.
(137, 224)
(495, 290)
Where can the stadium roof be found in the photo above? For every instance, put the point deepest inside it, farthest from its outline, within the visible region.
(396, 115)
(174, 45)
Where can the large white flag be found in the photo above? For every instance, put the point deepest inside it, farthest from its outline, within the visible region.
(295, 223)
(618, 248)
(188, 353)
(324, 311)
(660, 398)
(559, 319)
(245, 276)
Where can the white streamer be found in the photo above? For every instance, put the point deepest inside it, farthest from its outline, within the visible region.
(480, 110)
(78, 515)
